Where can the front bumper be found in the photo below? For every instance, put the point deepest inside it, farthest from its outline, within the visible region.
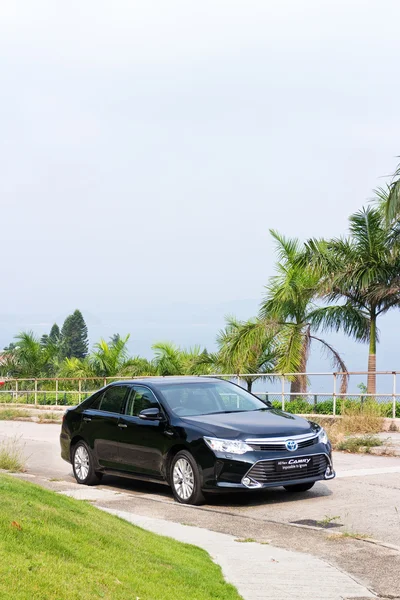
(257, 470)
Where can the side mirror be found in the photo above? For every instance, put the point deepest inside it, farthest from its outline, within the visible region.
(151, 414)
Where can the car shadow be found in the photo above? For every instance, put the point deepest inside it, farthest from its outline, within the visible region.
(245, 498)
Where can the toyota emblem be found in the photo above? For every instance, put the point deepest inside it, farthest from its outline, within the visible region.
(291, 445)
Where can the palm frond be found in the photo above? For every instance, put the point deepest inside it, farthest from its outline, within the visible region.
(337, 363)
(346, 317)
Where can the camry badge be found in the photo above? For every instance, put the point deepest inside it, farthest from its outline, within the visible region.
(291, 445)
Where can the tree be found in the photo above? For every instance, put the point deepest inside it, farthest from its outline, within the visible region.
(138, 366)
(170, 359)
(55, 334)
(362, 271)
(29, 358)
(241, 352)
(74, 336)
(115, 338)
(109, 359)
(388, 198)
(289, 311)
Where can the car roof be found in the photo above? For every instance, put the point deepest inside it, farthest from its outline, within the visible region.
(169, 380)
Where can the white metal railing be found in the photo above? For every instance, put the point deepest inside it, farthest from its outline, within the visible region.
(56, 390)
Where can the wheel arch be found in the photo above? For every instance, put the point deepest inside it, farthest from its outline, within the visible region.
(74, 441)
(173, 451)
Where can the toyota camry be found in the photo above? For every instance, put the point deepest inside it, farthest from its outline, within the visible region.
(195, 434)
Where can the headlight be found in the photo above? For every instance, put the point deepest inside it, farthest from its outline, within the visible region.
(322, 437)
(230, 446)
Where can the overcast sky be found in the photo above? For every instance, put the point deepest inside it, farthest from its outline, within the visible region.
(147, 147)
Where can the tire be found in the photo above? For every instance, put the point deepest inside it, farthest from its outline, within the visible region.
(185, 479)
(300, 487)
(82, 465)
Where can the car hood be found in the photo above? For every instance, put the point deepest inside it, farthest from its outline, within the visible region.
(260, 423)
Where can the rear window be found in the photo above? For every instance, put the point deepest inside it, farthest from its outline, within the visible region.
(111, 400)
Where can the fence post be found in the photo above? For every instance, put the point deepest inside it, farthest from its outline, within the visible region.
(315, 402)
(35, 392)
(80, 391)
(56, 392)
(283, 391)
(334, 394)
(394, 395)
(105, 381)
(238, 382)
(16, 390)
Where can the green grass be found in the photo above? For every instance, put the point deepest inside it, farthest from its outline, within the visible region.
(362, 443)
(327, 520)
(52, 546)
(9, 414)
(348, 535)
(11, 456)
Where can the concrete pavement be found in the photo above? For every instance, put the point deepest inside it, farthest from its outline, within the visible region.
(260, 571)
(364, 499)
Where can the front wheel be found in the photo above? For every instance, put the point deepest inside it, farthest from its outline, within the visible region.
(82, 464)
(300, 487)
(185, 479)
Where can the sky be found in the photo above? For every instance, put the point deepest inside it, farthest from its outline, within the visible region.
(147, 148)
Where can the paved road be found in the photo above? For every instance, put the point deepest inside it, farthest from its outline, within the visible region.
(363, 499)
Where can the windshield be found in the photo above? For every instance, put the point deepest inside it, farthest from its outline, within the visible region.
(208, 397)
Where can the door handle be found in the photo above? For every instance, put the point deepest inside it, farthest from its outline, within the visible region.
(122, 425)
(87, 419)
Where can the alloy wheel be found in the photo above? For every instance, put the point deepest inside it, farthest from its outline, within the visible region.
(183, 478)
(81, 463)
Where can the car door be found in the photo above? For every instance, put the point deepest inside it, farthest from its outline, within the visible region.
(142, 442)
(100, 424)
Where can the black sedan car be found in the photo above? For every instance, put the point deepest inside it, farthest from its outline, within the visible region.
(196, 434)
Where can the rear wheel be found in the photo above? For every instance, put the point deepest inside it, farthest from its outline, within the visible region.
(83, 467)
(185, 479)
(299, 487)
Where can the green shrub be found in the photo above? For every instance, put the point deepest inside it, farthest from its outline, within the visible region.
(363, 443)
(387, 409)
(6, 398)
(298, 406)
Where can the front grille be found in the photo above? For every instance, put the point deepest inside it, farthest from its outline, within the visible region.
(264, 470)
(279, 447)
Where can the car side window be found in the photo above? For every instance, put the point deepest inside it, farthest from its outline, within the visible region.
(139, 399)
(95, 401)
(113, 398)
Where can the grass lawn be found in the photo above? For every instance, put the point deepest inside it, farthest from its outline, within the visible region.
(54, 548)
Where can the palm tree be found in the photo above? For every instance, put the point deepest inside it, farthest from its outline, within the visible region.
(137, 366)
(242, 352)
(388, 197)
(362, 271)
(76, 368)
(167, 359)
(289, 311)
(170, 359)
(29, 358)
(108, 359)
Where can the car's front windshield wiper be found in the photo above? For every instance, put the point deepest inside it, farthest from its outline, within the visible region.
(223, 412)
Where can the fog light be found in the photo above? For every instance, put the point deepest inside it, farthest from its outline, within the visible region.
(246, 481)
(329, 473)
